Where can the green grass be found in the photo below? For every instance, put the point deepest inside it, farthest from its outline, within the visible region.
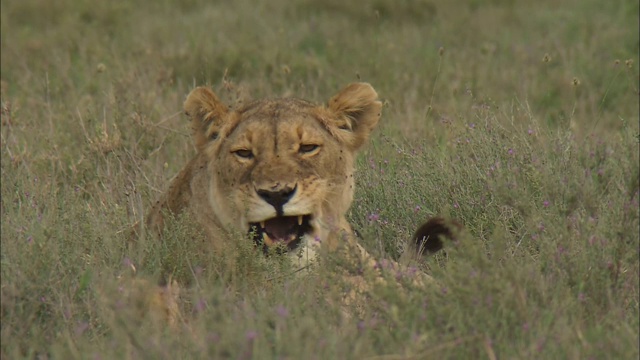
(518, 118)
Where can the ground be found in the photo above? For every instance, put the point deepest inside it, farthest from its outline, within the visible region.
(518, 118)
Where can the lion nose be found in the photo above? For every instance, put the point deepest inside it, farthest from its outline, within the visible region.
(278, 198)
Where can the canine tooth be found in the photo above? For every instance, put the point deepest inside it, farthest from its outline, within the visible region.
(299, 220)
(267, 240)
(262, 224)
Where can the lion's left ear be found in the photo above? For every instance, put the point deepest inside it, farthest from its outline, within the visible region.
(356, 108)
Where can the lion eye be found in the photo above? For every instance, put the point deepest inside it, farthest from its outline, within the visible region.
(308, 148)
(244, 153)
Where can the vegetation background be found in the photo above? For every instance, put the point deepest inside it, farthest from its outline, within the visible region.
(519, 118)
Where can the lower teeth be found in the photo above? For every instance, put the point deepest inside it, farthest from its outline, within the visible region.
(267, 240)
(270, 242)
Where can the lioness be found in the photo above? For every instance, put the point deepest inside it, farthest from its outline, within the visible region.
(279, 170)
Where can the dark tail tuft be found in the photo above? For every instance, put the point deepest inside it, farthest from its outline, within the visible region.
(430, 237)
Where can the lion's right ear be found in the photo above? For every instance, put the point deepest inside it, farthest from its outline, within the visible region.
(207, 115)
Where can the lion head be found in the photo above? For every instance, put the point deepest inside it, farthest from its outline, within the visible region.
(282, 170)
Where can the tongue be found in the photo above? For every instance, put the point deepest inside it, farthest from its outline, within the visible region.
(280, 228)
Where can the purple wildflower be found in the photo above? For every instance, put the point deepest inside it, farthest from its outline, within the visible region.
(251, 335)
(282, 311)
(361, 325)
(81, 328)
(200, 306)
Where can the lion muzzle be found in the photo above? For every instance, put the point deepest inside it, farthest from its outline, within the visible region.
(277, 198)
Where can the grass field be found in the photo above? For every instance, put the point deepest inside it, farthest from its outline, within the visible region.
(518, 118)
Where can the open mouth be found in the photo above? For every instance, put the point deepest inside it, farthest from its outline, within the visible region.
(282, 233)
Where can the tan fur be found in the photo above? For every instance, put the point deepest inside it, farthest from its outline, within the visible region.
(268, 145)
(219, 189)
